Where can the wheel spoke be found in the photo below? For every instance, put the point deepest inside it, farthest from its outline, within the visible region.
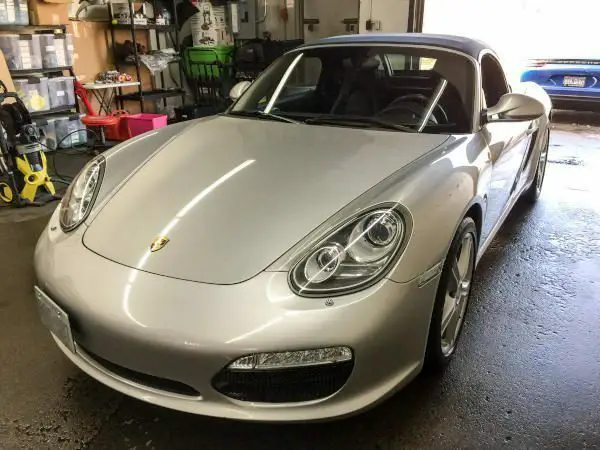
(464, 259)
(456, 277)
(449, 315)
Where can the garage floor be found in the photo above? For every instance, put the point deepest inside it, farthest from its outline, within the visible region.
(526, 374)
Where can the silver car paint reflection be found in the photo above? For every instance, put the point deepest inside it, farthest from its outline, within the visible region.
(219, 191)
(239, 210)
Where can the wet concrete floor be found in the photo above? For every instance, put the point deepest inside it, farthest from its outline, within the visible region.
(526, 375)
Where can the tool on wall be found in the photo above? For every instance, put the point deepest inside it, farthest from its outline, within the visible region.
(23, 167)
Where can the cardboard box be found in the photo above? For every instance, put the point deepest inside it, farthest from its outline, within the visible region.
(44, 13)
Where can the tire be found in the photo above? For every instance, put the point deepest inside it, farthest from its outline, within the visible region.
(456, 278)
(532, 194)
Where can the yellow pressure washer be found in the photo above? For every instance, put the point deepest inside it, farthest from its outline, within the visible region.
(24, 178)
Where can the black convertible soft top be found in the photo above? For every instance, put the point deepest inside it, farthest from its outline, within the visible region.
(464, 45)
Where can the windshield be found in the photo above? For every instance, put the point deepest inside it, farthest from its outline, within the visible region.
(397, 88)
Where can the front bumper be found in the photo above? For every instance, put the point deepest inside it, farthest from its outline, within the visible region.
(187, 332)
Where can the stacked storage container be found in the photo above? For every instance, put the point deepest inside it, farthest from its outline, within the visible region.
(64, 49)
(21, 51)
(47, 132)
(14, 12)
(34, 93)
(9, 44)
(29, 49)
(61, 92)
(57, 50)
(48, 51)
(70, 131)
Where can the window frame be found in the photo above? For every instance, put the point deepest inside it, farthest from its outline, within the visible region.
(496, 60)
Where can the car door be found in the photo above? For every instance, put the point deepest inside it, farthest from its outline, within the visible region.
(508, 144)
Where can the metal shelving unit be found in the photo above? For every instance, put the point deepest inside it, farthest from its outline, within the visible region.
(39, 29)
(53, 111)
(156, 93)
(49, 71)
(33, 27)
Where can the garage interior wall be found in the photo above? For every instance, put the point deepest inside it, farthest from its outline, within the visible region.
(93, 54)
(393, 15)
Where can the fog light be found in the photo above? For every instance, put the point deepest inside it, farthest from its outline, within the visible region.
(302, 358)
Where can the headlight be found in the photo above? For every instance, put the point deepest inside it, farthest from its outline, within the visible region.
(81, 194)
(355, 255)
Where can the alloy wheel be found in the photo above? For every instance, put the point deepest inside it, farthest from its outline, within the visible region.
(457, 294)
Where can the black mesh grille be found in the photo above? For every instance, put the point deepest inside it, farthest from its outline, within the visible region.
(161, 384)
(300, 384)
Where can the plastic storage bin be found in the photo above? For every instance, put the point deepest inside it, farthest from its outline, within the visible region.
(34, 93)
(143, 122)
(14, 12)
(47, 129)
(48, 51)
(29, 49)
(9, 44)
(61, 91)
(23, 12)
(64, 49)
(70, 131)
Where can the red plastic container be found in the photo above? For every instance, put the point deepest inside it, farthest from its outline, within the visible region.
(109, 123)
(143, 122)
(115, 126)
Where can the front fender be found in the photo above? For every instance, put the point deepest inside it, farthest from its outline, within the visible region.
(438, 195)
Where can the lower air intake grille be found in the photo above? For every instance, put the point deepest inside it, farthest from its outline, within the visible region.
(289, 385)
(160, 384)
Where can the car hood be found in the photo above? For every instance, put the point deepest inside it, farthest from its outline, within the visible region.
(232, 195)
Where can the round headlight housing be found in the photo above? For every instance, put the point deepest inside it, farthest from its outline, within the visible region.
(79, 199)
(323, 263)
(355, 255)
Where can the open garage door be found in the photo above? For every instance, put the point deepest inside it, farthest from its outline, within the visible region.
(520, 29)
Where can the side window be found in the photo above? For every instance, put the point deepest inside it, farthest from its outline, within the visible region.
(400, 63)
(397, 62)
(493, 80)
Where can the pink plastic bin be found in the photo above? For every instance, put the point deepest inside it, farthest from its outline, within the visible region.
(143, 122)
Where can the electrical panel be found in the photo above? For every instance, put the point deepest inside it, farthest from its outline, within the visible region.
(243, 17)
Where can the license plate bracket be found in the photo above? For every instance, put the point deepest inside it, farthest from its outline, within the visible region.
(54, 318)
(571, 81)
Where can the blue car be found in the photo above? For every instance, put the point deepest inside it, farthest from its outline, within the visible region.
(571, 84)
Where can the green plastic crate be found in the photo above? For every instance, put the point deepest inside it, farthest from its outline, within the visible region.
(206, 57)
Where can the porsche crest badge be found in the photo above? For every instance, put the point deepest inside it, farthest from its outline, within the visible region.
(159, 243)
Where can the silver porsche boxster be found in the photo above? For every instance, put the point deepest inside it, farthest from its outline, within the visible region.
(305, 254)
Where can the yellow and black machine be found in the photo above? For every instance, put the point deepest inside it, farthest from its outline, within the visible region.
(24, 178)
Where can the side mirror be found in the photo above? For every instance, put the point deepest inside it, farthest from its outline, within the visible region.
(515, 107)
(237, 90)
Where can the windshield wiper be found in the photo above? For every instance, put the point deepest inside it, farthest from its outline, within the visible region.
(262, 114)
(336, 119)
